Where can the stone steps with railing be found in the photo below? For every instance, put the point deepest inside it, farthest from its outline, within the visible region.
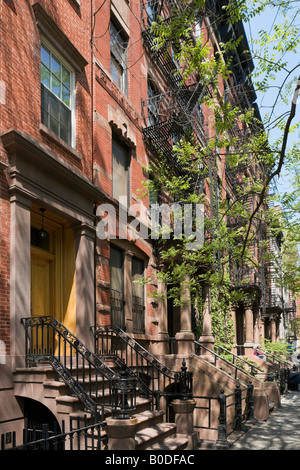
(69, 385)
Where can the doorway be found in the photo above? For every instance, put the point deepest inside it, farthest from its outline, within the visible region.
(53, 280)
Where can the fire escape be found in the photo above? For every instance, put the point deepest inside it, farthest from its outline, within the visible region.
(172, 113)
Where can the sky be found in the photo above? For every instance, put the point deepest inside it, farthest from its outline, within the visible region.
(266, 21)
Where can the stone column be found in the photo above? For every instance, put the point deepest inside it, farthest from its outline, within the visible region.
(184, 421)
(121, 433)
(249, 326)
(20, 274)
(128, 291)
(185, 338)
(206, 338)
(273, 329)
(85, 283)
(256, 327)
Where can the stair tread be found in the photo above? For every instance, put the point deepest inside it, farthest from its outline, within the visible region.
(171, 443)
(153, 431)
(148, 414)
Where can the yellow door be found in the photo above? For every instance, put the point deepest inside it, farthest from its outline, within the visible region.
(42, 284)
(42, 298)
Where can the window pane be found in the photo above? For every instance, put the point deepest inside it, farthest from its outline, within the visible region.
(56, 67)
(45, 56)
(54, 107)
(65, 134)
(44, 117)
(66, 95)
(54, 127)
(55, 86)
(65, 77)
(65, 116)
(45, 76)
(116, 72)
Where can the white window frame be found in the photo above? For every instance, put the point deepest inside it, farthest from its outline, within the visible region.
(72, 106)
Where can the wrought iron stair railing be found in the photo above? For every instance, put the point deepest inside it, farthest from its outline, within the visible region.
(88, 377)
(274, 359)
(238, 363)
(154, 379)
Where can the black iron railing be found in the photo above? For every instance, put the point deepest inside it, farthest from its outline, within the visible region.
(88, 377)
(237, 363)
(86, 437)
(235, 409)
(154, 379)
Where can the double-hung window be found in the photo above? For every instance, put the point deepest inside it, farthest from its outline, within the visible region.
(153, 105)
(57, 94)
(118, 56)
(120, 169)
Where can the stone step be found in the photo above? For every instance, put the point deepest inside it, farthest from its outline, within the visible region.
(148, 418)
(171, 443)
(147, 437)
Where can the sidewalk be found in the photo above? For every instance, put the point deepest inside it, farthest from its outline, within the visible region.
(280, 432)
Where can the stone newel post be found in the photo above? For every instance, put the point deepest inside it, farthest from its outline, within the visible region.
(121, 433)
(184, 421)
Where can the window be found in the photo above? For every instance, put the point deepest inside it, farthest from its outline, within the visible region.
(117, 286)
(57, 104)
(120, 167)
(152, 11)
(118, 57)
(153, 105)
(138, 302)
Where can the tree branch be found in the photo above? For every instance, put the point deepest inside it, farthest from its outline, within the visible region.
(280, 162)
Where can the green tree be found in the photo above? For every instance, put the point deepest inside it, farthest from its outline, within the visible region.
(242, 224)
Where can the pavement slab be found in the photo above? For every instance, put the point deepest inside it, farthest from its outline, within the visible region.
(280, 432)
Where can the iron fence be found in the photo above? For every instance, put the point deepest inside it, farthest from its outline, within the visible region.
(87, 437)
(234, 410)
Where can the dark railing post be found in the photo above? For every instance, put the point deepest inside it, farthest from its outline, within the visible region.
(185, 382)
(124, 394)
(222, 441)
(250, 402)
(238, 408)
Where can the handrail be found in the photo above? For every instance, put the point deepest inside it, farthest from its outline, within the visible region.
(47, 340)
(217, 356)
(235, 357)
(154, 378)
(273, 358)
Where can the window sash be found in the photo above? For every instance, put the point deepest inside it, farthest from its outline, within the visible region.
(120, 170)
(57, 94)
(118, 49)
(55, 115)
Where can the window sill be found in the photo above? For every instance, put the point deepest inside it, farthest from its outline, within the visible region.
(57, 140)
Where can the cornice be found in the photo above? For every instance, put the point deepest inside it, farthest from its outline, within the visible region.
(58, 38)
(20, 144)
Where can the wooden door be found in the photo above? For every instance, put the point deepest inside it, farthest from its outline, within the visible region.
(42, 284)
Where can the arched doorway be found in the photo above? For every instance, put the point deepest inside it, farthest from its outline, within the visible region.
(36, 418)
